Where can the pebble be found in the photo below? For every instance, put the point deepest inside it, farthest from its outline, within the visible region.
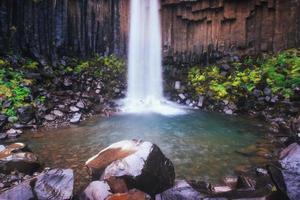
(74, 109)
(49, 117)
(76, 118)
(58, 113)
(80, 104)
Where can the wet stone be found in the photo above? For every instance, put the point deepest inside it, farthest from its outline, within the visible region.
(75, 118)
(74, 109)
(58, 113)
(49, 117)
(137, 161)
(96, 190)
(55, 184)
(181, 191)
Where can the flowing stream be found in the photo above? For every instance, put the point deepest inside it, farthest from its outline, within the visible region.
(145, 85)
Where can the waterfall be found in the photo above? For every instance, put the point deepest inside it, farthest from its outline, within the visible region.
(145, 85)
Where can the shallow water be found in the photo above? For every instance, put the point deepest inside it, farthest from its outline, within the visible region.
(201, 145)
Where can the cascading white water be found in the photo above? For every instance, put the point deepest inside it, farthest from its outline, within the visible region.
(145, 85)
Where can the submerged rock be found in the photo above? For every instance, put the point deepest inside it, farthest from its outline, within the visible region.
(25, 162)
(11, 159)
(181, 191)
(55, 184)
(141, 164)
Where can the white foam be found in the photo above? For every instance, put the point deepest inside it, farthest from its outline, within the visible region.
(152, 105)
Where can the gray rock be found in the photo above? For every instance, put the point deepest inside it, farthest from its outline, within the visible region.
(75, 118)
(257, 93)
(97, 190)
(228, 111)
(181, 191)
(13, 133)
(67, 82)
(187, 102)
(58, 113)
(290, 161)
(80, 104)
(182, 97)
(56, 184)
(2, 148)
(267, 98)
(177, 85)
(49, 117)
(74, 109)
(22, 191)
(274, 99)
(138, 162)
(267, 91)
(117, 90)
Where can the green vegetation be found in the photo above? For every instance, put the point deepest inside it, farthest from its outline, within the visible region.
(280, 73)
(13, 88)
(104, 67)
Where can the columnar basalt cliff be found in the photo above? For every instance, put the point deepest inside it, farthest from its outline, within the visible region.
(192, 29)
(55, 28)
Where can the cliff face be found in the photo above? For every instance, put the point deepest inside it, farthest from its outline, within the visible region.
(192, 30)
(52, 28)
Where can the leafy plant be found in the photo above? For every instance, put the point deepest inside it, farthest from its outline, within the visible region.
(280, 73)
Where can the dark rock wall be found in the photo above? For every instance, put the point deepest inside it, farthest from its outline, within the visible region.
(192, 29)
(53, 28)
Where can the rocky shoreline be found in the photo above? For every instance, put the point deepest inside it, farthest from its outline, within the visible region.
(138, 170)
(72, 95)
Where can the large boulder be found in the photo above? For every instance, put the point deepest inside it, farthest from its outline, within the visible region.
(56, 184)
(290, 161)
(22, 191)
(141, 164)
(181, 191)
(13, 158)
